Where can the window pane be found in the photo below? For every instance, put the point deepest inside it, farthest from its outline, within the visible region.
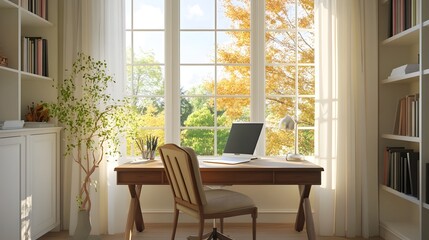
(279, 142)
(201, 140)
(280, 80)
(127, 14)
(148, 47)
(233, 14)
(306, 112)
(148, 14)
(277, 107)
(280, 47)
(306, 80)
(233, 47)
(232, 110)
(280, 14)
(145, 80)
(196, 111)
(305, 47)
(222, 137)
(151, 111)
(197, 47)
(306, 142)
(306, 14)
(197, 14)
(197, 80)
(233, 80)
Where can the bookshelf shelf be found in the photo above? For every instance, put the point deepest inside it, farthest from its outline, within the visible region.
(425, 205)
(401, 138)
(404, 196)
(402, 79)
(426, 23)
(30, 19)
(30, 76)
(401, 230)
(7, 4)
(407, 37)
(8, 69)
(426, 71)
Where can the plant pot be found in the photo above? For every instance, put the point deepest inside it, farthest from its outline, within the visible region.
(152, 155)
(83, 227)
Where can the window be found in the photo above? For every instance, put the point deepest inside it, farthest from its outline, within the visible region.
(206, 64)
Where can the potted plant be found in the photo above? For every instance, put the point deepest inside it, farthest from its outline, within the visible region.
(148, 150)
(92, 122)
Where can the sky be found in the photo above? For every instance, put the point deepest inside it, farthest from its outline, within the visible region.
(195, 47)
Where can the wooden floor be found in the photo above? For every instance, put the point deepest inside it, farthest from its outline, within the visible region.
(235, 231)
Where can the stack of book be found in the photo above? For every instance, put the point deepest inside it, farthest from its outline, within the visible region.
(401, 170)
(35, 55)
(404, 15)
(407, 116)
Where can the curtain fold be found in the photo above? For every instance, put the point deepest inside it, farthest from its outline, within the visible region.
(346, 116)
(96, 28)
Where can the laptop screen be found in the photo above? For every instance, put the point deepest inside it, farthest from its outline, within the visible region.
(243, 138)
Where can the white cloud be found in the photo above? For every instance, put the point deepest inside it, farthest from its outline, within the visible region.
(195, 11)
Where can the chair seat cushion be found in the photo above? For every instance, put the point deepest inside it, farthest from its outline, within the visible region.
(221, 200)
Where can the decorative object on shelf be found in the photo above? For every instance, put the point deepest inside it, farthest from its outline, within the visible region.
(92, 120)
(148, 150)
(38, 113)
(3, 61)
(289, 123)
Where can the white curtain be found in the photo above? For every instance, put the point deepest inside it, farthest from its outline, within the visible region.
(96, 28)
(346, 117)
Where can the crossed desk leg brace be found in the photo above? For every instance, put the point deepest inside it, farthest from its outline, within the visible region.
(304, 212)
(135, 212)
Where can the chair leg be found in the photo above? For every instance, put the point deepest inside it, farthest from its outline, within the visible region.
(201, 229)
(221, 225)
(176, 219)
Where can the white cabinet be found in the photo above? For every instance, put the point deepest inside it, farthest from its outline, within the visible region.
(42, 184)
(29, 174)
(12, 157)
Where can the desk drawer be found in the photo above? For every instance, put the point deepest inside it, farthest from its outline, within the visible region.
(237, 178)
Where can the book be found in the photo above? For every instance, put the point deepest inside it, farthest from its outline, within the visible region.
(413, 165)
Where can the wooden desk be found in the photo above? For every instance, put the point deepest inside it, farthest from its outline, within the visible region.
(257, 172)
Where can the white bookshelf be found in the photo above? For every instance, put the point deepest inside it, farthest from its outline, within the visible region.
(19, 89)
(403, 216)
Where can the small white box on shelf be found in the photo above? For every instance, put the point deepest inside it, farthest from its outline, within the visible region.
(404, 69)
(11, 124)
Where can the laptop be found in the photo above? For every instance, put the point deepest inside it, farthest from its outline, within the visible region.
(240, 145)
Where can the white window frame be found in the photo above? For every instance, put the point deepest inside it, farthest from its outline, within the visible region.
(257, 67)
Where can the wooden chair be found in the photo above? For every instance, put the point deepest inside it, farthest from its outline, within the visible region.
(182, 169)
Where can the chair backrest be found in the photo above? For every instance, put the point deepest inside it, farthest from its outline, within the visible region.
(182, 168)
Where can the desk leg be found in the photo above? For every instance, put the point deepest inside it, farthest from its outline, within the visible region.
(304, 213)
(134, 212)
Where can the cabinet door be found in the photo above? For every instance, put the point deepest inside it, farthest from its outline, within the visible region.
(12, 156)
(42, 183)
